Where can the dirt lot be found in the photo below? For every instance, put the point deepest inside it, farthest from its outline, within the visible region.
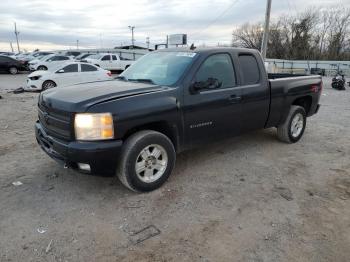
(251, 198)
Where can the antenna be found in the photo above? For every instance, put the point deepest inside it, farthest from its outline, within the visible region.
(17, 33)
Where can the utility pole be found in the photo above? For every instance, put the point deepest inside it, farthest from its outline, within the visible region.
(132, 35)
(11, 47)
(77, 44)
(17, 33)
(147, 42)
(266, 30)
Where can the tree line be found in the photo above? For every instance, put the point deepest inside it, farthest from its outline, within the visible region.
(311, 35)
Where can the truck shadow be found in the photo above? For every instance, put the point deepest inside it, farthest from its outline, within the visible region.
(186, 161)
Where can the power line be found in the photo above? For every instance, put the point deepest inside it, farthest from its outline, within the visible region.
(215, 19)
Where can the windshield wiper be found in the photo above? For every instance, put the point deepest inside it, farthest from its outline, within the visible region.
(145, 80)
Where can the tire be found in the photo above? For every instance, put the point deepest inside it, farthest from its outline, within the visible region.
(293, 128)
(153, 171)
(13, 70)
(44, 68)
(48, 84)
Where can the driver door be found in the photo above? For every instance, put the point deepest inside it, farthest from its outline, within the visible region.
(106, 62)
(213, 112)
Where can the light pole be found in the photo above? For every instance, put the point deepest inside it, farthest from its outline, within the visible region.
(266, 29)
(147, 42)
(17, 33)
(132, 35)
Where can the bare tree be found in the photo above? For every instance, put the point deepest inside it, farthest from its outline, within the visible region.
(308, 35)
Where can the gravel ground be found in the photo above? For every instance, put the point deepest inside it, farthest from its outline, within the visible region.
(250, 198)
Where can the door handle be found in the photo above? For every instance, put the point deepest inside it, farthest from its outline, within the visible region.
(234, 99)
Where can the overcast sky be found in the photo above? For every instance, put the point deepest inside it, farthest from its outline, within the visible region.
(104, 23)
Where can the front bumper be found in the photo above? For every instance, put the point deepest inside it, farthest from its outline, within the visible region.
(102, 156)
(32, 85)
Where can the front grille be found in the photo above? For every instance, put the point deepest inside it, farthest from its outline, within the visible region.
(55, 122)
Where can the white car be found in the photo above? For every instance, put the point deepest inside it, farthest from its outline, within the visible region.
(109, 61)
(46, 62)
(66, 74)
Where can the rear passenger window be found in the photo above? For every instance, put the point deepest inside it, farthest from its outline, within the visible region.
(250, 69)
(87, 68)
(114, 57)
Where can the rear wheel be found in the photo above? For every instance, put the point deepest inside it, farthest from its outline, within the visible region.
(147, 160)
(13, 70)
(48, 84)
(42, 68)
(293, 128)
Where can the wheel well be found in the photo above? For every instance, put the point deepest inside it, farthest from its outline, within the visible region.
(161, 127)
(305, 102)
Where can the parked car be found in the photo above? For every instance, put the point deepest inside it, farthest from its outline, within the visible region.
(109, 61)
(34, 55)
(48, 61)
(83, 56)
(7, 53)
(11, 65)
(169, 101)
(72, 53)
(66, 74)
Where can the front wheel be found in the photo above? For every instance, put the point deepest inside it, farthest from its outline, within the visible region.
(48, 84)
(147, 160)
(13, 70)
(42, 68)
(293, 128)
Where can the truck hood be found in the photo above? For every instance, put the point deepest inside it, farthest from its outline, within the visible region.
(78, 98)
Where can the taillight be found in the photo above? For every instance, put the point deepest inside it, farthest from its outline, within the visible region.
(316, 88)
(109, 73)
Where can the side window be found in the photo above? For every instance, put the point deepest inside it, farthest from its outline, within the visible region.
(64, 58)
(54, 58)
(114, 57)
(218, 67)
(106, 58)
(250, 69)
(87, 68)
(71, 68)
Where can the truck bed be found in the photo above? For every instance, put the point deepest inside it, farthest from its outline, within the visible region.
(284, 89)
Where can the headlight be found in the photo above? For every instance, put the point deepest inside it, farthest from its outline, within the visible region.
(93, 126)
(34, 77)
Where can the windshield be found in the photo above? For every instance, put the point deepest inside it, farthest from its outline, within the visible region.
(161, 68)
(45, 57)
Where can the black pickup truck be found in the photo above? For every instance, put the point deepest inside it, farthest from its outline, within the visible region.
(169, 101)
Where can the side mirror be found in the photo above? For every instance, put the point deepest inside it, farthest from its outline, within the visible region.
(60, 71)
(210, 83)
